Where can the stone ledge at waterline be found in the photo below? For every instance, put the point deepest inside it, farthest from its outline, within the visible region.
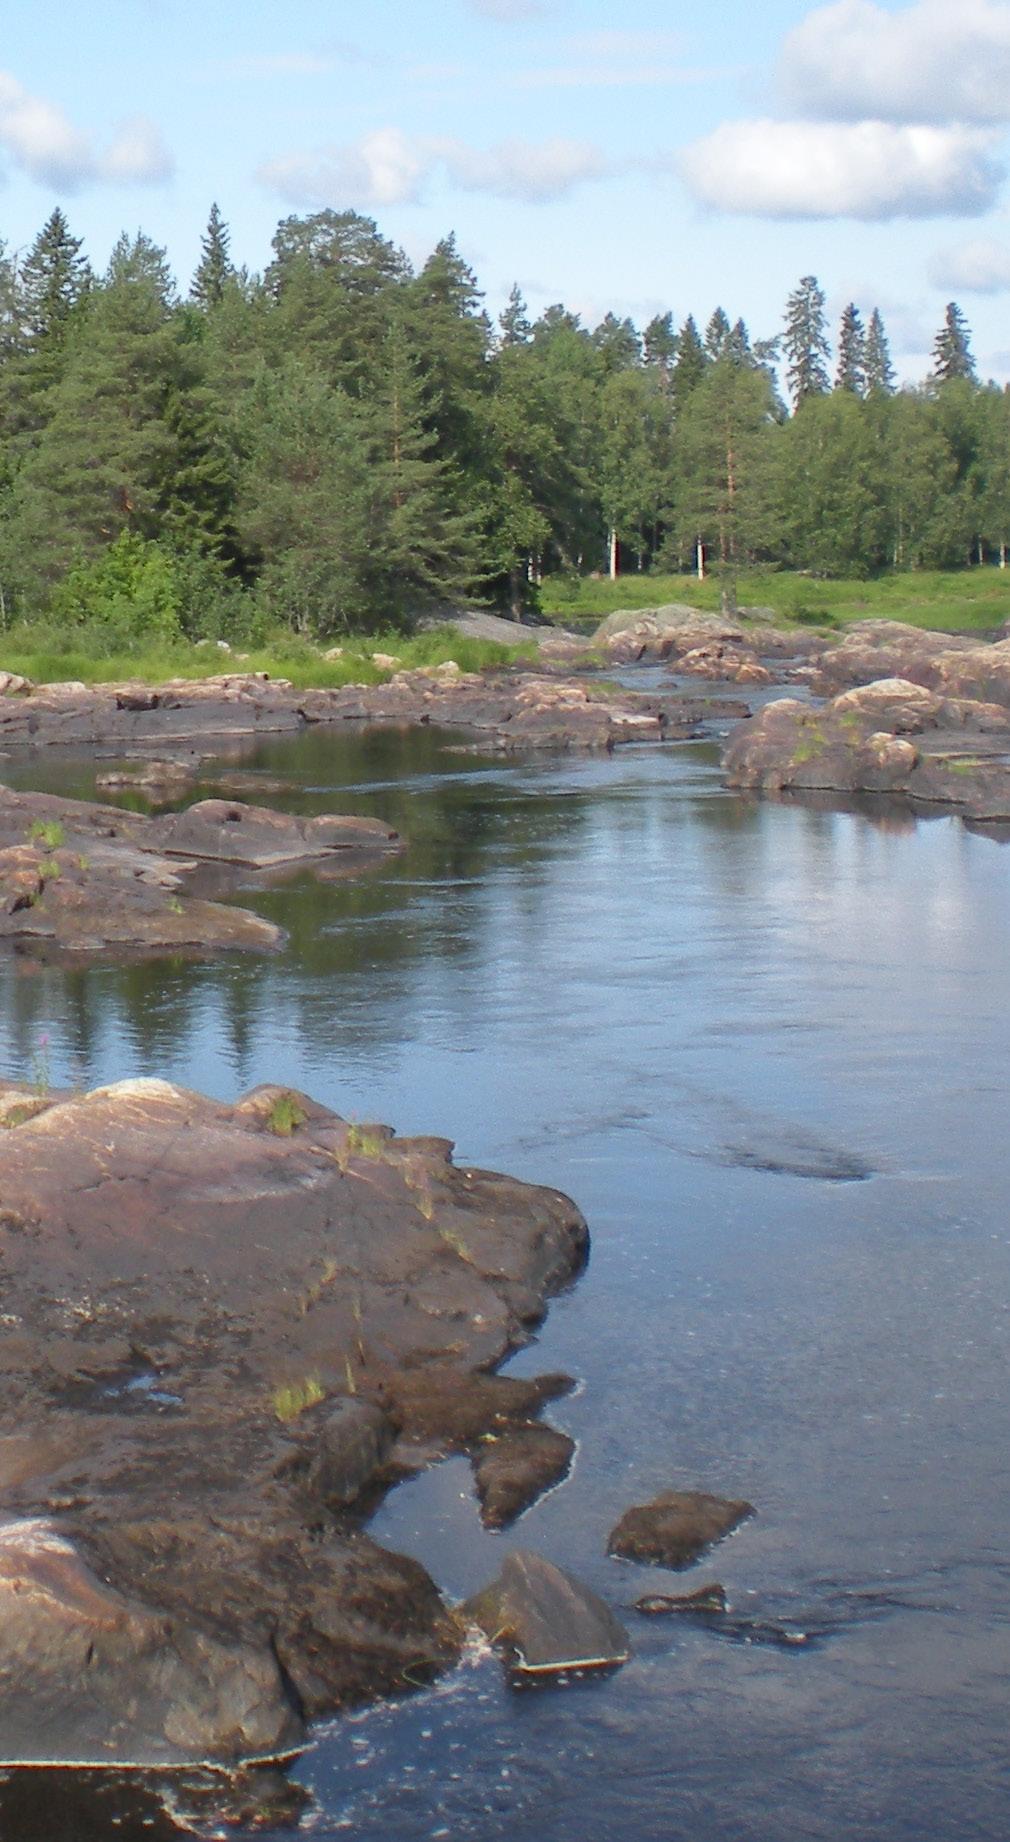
(224, 1332)
(513, 709)
(79, 878)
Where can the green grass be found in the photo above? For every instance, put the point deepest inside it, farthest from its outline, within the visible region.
(46, 832)
(285, 1116)
(290, 1402)
(946, 601)
(49, 658)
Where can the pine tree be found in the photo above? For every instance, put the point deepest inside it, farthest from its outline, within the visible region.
(514, 320)
(805, 342)
(851, 373)
(737, 347)
(952, 349)
(618, 344)
(214, 269)
(877, 367)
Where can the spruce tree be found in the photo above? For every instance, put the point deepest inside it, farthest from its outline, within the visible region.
(214, 269)
(659, 348)
(851, 373)
(952, 349)
(877, 367)
(717, 334)
(514, 320)
(691, 364)
(805, 342)
(54, 277)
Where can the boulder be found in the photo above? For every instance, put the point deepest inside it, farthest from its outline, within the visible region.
(546, 1620)
(513, 1469)
(676, 1527)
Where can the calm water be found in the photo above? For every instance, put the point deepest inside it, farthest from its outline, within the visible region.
(687, 1011)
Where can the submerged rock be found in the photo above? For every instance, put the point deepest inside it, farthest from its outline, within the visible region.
(704, 1600)
(547, 1620)
(676, 1527)
(215, 1321)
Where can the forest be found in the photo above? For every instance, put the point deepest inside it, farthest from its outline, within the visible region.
(343, 442)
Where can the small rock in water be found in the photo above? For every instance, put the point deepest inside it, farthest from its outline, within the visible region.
(548, 1620)
(512, 1470)
(704, 1599)
(676, 1527)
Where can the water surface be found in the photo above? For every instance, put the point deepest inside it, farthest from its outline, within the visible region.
(765, 1047)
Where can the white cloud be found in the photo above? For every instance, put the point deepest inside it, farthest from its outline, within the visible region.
(934, 61)
(869, 170)
(981, 266)
(40, 139)
(536, 171)
(383, 168)
(387, 167)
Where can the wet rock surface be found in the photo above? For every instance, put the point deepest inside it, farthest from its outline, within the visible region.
(215, 1333)
(893, 736)
(546, 1620)
(82, 878)
(703, 1601)
(676, 1527)
(513, 1470)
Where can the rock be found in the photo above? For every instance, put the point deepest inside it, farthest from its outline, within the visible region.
(512, 1470)
(386, 661)
(13, 685)
(159, 780)
(676, 1527)
(704, 1600)
(84, 878)
(213, 1320)
(349, 1446)
(716, 661)
(862, 741)
(547, 1620)
(91, 1677)
(226, 831)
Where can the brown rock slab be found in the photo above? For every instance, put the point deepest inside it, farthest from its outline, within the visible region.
(513, 1469)
(546, 1619)
(703, 1601)
(214, 1321)
(676, 1527)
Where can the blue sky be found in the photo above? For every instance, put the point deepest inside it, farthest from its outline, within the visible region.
(639, 158)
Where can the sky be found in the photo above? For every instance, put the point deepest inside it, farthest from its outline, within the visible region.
(649, 157)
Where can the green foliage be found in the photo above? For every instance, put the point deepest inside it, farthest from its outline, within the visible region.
(48, 833)
(132, 589)
(285, 1116)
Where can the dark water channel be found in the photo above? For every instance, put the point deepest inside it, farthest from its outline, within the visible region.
(766, 1048)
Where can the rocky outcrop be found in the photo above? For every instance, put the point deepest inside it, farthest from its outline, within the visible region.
(80, 878)
(955, 665)
(547, 1621)
(217, 1329)
(894, 736)
(676, 1527)
(678, 632)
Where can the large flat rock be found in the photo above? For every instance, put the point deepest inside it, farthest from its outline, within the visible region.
(217, 1328)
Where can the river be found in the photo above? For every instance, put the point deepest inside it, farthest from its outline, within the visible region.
(765, 1047)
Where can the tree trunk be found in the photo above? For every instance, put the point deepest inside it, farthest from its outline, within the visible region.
(1002, 554)
(515, 592)
(613, 546)
(699, 557)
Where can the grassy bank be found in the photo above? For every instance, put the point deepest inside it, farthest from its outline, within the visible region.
(948, 601)
(48, 658)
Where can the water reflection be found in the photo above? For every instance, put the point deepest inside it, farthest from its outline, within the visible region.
(696, 1013)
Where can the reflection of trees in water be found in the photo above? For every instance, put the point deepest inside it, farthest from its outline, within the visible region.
(54, 1806)
(481, 851)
